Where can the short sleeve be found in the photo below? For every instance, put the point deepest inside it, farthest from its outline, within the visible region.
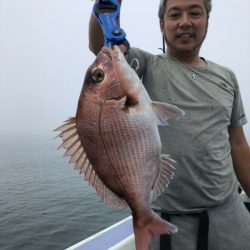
(138, 60)
(238, 116)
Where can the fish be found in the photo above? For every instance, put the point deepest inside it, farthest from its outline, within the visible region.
(114, 141)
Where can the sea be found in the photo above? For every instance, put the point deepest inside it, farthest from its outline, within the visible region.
(44, 202)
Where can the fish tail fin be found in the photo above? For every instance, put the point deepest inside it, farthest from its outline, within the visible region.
(146, 230)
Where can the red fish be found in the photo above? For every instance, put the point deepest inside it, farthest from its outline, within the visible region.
(114, 141)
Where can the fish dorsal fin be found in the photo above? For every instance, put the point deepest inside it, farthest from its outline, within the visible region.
(165, 175)
(165, 112)
(74, 149)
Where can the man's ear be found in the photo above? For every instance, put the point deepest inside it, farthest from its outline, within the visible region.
(162, 26)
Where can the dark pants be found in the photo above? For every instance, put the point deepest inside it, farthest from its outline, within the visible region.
(229, 229)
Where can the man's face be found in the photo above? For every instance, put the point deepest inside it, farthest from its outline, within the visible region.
(184, 26)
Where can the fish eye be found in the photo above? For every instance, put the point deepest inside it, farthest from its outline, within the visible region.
(98, 75)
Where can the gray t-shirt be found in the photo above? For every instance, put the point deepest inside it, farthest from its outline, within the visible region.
(198, 142)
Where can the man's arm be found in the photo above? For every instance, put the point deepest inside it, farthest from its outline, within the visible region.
(96, 37)
(241, 157)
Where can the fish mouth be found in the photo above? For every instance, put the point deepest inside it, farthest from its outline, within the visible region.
(104, 56)
(106, 52)
(113, 91)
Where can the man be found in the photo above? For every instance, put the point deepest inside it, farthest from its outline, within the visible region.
(208, 143)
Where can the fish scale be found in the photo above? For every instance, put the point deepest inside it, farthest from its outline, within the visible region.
(121, 151)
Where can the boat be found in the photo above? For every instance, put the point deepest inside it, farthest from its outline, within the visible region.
(120, 236)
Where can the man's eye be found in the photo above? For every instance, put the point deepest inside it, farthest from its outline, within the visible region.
(195, 13)
(174, 15)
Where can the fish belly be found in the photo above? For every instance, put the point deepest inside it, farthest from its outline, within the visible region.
(124, 147)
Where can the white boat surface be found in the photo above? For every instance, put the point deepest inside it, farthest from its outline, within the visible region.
(119, 236)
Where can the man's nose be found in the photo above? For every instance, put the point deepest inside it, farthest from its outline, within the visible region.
(185, 21)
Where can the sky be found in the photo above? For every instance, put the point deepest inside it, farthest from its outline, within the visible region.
(44, 54)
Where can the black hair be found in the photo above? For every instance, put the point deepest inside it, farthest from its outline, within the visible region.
(162, 7)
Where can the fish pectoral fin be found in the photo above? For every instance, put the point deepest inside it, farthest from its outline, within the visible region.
(165, 176)
(74, 149)
(165, 112)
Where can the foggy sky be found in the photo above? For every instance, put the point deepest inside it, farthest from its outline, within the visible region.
(44, 54)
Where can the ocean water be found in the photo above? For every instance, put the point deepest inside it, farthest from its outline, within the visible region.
(44, 203)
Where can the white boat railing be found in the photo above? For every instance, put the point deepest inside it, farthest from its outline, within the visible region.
(119, 236)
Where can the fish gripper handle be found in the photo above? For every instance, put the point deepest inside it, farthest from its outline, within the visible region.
(107, 13)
